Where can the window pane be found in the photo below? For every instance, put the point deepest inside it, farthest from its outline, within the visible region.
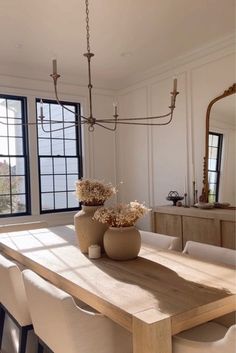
(57, 147)
(18, 184)
(215, 140)
(47, 201)
(4, 166)
(70, 147)
(60, 200)
(71, 179)
(72, 201)
(5, 204)
(44, 147)
(46, 183)
(59, 165)
(212, 164)
(4, 145)
(213, 152)
(3, 125)
(72, 165)
(18, 203)
(60, 182)
(16, 146)
(46, 165)
(4, 185)
(14, 130)
(17, 166)
(14, 108)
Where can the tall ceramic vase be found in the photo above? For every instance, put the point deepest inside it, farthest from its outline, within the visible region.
(88, 231)
(122, 243)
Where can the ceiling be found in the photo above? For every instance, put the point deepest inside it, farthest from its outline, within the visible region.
(127, 36)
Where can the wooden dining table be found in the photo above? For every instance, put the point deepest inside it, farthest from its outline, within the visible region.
(155, 296)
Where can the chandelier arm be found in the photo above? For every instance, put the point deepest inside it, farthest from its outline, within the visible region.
(105, 127)
(135, 119)
(59, 102)
(143, 124)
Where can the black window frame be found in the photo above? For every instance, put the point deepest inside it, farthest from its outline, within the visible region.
(218, 163)
(78, 155)
(25, 155)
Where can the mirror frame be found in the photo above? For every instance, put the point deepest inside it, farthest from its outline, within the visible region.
(205, 189)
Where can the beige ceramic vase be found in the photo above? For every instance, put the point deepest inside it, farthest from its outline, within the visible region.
(122, 243)
(88, 231)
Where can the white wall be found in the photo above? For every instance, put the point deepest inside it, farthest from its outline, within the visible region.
(98, 146)
(153, 161)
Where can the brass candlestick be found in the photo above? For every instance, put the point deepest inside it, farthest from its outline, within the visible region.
(194, 194)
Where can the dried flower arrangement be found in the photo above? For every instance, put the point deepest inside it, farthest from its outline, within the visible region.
(93, 192)
(123, 215)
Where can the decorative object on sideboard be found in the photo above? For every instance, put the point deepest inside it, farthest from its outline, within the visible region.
(122, 241)
(185, 200)
(204, 205)
(92, 194)
(174, 197)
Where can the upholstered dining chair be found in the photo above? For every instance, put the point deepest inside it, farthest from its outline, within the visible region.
(160, 241)
(213, 336)
(207, 338)
(62, 326)
(13, 301)
(209, 252)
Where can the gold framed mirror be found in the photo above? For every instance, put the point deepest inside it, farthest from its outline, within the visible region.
(220, 146)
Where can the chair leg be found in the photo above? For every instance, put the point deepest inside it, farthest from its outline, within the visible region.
(2, 319)
(23, 339)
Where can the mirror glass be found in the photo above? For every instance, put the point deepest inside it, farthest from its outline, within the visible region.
(222, 148)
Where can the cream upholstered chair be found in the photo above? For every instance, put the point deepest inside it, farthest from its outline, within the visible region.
(13, 301)
(210, 253)
(65, 327)
(211, 337)
(160, 241)
(207, 338)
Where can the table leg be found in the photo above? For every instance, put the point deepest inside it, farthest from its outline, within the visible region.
(151, 336)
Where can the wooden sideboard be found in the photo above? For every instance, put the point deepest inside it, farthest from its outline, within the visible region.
(215, 226)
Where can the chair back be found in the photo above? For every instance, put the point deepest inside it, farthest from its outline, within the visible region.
(62, 325)
(160, 241)
(211, 253)
(12, 291)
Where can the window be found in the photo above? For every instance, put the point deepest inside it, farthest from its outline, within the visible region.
(14, 175)
(214, 161)
(60, 160)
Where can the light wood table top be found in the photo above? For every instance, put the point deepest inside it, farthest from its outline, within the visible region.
(154, 296)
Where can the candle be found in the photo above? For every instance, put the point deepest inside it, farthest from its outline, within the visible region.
(54, 66)
(115, 107)
(94, 251)
(175, 85)
(41, 108)
(193, 171)
(185, 185)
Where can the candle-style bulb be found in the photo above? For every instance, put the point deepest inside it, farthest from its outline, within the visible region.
(115, 105)
(54, 67)
(175, 85)
(41, 108)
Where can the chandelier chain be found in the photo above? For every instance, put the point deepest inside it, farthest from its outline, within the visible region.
(87, 26)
